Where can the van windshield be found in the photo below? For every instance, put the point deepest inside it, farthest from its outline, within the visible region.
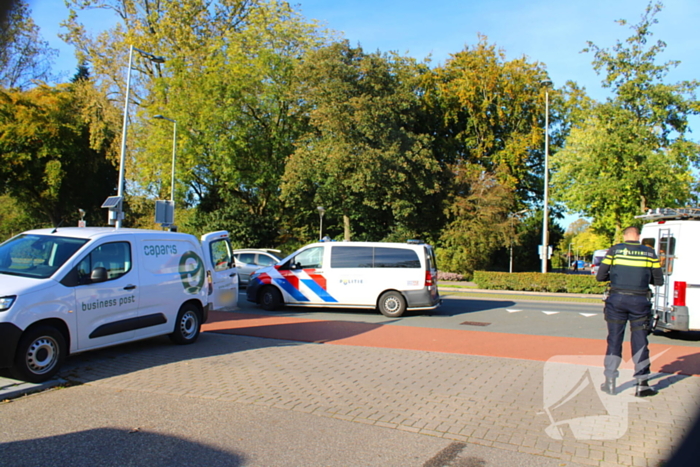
(37, 256)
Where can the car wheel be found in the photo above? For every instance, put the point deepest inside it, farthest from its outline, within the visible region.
(40, 352)
(187, 325)
(392, 304)
(270, 299)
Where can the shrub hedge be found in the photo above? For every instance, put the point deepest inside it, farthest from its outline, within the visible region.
(538, 282)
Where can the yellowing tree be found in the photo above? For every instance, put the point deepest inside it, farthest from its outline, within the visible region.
(226, 81)
(490, 135)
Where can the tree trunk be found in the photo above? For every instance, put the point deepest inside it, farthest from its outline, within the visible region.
(346, 225)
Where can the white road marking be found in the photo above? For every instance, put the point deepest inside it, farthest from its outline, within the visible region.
(550, 312)
(512, 311)
(588, 315)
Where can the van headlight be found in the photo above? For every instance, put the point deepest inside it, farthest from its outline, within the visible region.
(6, 302)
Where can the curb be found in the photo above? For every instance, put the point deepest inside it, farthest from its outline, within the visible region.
(12, 389)
(516, 292)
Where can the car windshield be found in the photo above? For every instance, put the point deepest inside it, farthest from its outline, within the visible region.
(37, 256)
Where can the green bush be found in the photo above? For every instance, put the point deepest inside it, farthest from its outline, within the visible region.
(538, 282)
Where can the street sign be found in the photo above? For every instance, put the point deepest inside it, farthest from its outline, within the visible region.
(165, 212)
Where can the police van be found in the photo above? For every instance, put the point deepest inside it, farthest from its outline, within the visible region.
(673, 234)
(68, 290)
(391, 277)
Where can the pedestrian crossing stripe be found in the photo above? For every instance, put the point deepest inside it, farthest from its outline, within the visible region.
(585, 315)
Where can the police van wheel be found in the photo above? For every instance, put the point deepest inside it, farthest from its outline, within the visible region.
(187, 325)
(39, 354)
(270, 299)
(392, 304)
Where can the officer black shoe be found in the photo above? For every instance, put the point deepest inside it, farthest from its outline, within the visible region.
(643, 389)
(608, 387)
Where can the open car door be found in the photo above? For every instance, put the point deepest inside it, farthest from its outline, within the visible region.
(218, 256)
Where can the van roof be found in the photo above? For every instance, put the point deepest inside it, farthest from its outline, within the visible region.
(97, 232)
(670, 213)
(388, 244)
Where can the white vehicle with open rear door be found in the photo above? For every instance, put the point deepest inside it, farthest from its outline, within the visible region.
(673, 234)
(68, 290)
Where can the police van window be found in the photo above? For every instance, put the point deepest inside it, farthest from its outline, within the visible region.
(309, 259)
(430, 261)
(650, 242)
(351, 257)
(220, 255)
(114, 257)
(37, 256)
(395, 258)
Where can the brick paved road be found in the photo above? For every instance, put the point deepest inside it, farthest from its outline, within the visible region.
(488, 401)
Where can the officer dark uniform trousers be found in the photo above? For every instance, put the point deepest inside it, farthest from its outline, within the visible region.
(631, 268)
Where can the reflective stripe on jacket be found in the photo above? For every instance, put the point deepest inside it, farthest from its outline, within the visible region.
(630, 267)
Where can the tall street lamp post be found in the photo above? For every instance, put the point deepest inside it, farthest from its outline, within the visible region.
(515, 215)
(120, 187)
(321, 211)
(544, 252)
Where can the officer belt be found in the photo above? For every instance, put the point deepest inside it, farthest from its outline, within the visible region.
(627, 292)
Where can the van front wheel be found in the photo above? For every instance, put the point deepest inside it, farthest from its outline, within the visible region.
(187, 325)
(270, 299)
(392, 304)
(39, 354)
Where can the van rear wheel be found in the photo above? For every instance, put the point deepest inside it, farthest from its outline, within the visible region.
(270, 299)
(187, 325)
(39, 354)
(392, 304)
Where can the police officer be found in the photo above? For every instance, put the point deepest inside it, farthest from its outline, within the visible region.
(630, 267)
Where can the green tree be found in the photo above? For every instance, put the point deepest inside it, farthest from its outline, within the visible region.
(366, 158)
(14, 219)
(57, 151)
(24, 55)
(631, 152)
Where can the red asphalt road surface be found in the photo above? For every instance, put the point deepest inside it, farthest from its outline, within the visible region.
(668, 359)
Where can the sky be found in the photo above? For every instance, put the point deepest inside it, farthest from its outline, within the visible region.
(552, 32)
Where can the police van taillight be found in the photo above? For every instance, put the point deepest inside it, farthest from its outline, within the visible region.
(679, 293)
(428, 279)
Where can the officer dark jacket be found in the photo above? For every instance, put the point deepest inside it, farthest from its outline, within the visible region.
(630, 267)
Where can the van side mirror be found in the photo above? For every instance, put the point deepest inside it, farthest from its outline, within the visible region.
(98, 274)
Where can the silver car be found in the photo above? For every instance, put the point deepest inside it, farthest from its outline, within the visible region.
(249, 261)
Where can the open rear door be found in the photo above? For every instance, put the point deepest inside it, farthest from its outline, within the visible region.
(218, 256)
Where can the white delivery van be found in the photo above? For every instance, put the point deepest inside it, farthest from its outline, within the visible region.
(391, 277)
(67, 290)
(673, 234)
